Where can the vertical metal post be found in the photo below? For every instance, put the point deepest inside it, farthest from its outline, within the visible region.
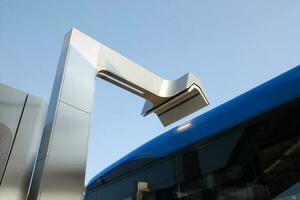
(60, 167)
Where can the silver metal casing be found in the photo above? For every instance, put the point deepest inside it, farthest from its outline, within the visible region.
(22, 118)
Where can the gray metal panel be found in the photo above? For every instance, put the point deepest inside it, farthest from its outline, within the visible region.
(26, 122)
(60, 168)
(5, 143)
(11, 105)
(17, 176)
(56, 90)
(65, 170)
(78, 91)
(36, 180)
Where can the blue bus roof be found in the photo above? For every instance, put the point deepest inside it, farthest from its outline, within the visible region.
(271, 94)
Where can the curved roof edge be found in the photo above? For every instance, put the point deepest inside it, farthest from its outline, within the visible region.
(263, 98)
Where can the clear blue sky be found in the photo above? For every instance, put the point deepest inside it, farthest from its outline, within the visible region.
(232, 46)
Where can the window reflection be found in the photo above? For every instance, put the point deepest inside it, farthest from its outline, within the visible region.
(258, 161)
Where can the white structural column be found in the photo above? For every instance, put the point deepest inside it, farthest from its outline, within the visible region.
(60, 167)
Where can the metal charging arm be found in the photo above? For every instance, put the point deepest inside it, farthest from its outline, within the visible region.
(171, 100)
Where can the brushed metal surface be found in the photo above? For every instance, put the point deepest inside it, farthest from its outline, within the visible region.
(64, 173)
(19, 169)
(5, 144)
(11, 105)
(30, 117)
(56, 90)
(78, 91)
(60, 168)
